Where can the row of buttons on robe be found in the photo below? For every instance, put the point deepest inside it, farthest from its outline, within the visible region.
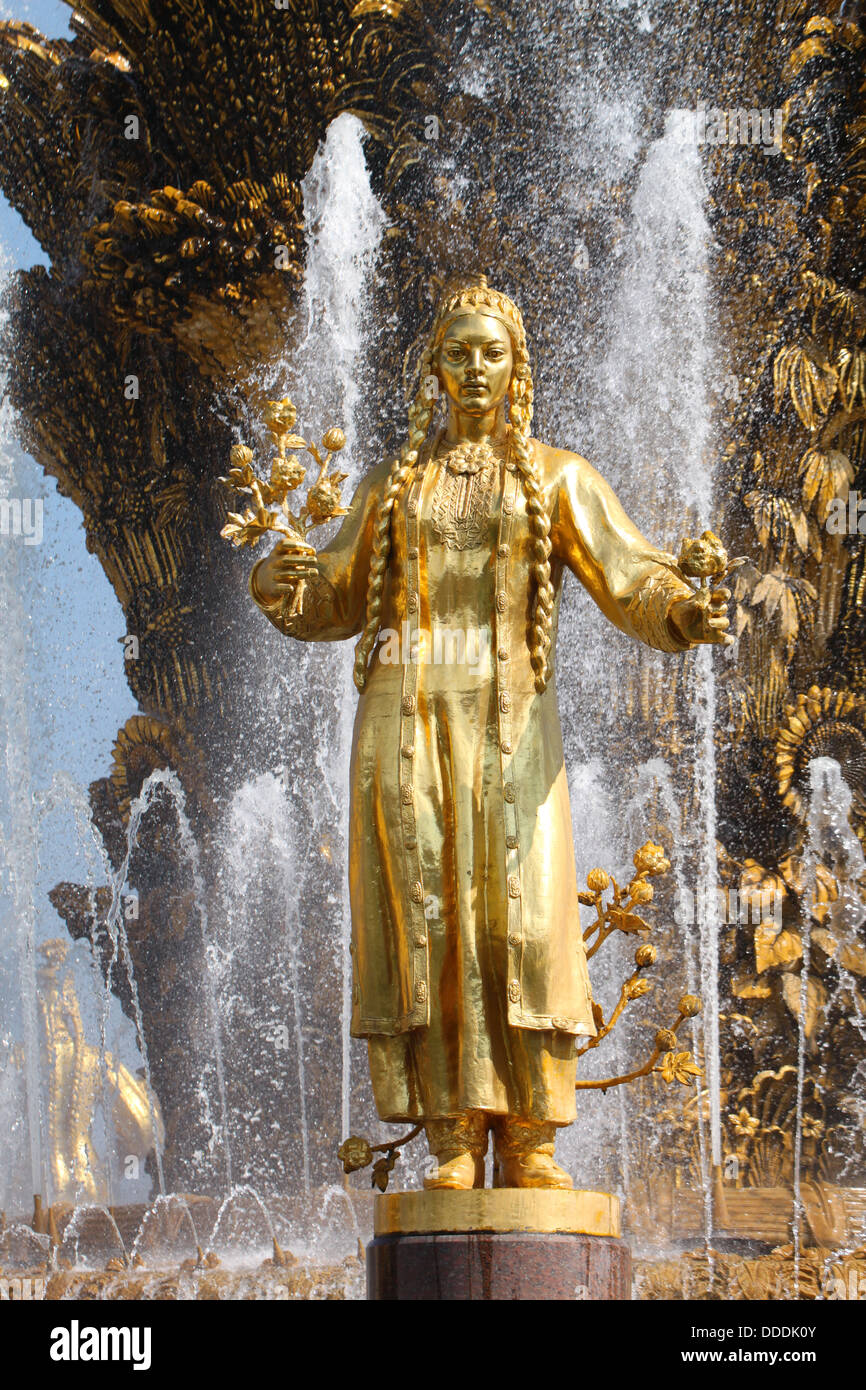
(505, 745)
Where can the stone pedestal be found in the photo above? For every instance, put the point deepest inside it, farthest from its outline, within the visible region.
(498, 1243)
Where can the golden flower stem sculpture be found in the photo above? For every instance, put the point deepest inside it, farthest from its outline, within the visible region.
(675, 1066)
(270, 509)
(619, 915)
(356, 1153)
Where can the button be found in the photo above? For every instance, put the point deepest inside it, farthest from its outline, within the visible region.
(420, 940)
(417, 893)
(421, 992)
(502, 654)
(504, 550)
(513, 939)
(513, 886)
(501, 601)
(514, 991)
(408, 751)
(413, 553)
(506, 747)
(512, 842)
(511, 467)
(508, 506)
(505, 702)
(508, 791)
(407, 704)
(412, 602)
(406, 794)
(411, 844)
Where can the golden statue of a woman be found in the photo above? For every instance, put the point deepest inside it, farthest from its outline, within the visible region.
(469, 970)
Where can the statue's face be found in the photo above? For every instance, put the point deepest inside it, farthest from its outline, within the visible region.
(475, 362)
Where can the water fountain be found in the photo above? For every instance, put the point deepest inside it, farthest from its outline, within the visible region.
(225, 815)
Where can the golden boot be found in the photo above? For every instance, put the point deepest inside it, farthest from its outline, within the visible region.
(459, 1142)
(524, 1154)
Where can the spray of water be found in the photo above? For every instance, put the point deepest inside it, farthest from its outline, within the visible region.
(20, 856)
(829, 841)
(324, 373)
(652, 441)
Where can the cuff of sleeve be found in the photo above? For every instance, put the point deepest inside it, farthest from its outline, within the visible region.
(681, 643)
(649, 612)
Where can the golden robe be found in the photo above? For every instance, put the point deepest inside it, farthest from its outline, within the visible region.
(469, 968)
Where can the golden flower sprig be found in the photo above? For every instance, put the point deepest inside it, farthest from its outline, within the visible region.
(270, 510)
(356, 1153)
(619, 915)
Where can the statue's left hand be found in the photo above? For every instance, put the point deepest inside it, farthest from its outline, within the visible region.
(703, 617)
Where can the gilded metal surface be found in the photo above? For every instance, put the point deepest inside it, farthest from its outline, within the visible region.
(270, 511)
(470, 976)
(782, 1275)
(497, 1209)
(464, 495)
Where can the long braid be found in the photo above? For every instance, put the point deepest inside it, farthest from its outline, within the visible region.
(520, 396)
(466, 294)
(420, 415)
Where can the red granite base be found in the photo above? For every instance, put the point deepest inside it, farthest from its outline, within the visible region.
(488, 1266)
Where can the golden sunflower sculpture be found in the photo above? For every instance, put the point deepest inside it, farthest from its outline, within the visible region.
(144, 744)
(823, 723)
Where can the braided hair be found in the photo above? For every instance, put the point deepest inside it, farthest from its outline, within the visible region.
(420, 415)
(465, 296)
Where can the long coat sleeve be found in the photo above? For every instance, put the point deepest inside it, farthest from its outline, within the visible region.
(633, 582)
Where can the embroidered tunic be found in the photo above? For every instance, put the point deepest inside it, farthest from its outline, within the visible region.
(469, 969)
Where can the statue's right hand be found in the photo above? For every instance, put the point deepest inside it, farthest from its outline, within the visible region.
(278, 574)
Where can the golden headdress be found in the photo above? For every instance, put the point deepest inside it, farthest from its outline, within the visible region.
(466, 294)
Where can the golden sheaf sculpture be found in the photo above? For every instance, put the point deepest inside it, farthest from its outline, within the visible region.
(469, 965)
